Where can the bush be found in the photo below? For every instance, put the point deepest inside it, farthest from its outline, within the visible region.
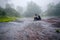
(58, 30)
(7, 19)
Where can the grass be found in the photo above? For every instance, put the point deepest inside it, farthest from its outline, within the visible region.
(7, 19)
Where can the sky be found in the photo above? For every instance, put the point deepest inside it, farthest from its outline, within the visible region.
(42, 3)
(3, 3)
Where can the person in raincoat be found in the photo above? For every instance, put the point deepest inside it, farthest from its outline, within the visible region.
(37, 17)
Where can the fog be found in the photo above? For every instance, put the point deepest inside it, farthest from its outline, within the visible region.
(42, 3)
(23, 6)
(3, 3)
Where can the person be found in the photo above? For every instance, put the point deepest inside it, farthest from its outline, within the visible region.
(37, 17)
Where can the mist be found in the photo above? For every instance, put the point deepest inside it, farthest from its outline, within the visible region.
(42, 3)
(21, 7)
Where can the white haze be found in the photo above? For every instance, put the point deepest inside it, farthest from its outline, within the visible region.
(3, 3)
(42, 3)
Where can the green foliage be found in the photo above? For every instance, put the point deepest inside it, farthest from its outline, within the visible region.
(53, 10)
(11, 11)
(8, 14)
(2, 12)
(58, 30)
(7, 19)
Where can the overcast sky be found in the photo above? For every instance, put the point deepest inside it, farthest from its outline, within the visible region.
(23, 3)
(3, 3)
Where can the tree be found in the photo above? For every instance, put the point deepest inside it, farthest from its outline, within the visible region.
(11, 11)
(53, 10)
(57, 9)
(32, 8)
(2, 12)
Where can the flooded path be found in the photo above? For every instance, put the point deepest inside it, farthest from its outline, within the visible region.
(27, 29)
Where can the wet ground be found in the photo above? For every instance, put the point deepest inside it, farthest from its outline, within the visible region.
(27, 29)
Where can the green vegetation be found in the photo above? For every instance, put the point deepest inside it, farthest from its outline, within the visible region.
(53, 10)
(8, 14)
(58, 30)
(7, 19)
(11, 11)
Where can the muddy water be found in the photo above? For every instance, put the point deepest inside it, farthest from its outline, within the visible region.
(28, 30)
